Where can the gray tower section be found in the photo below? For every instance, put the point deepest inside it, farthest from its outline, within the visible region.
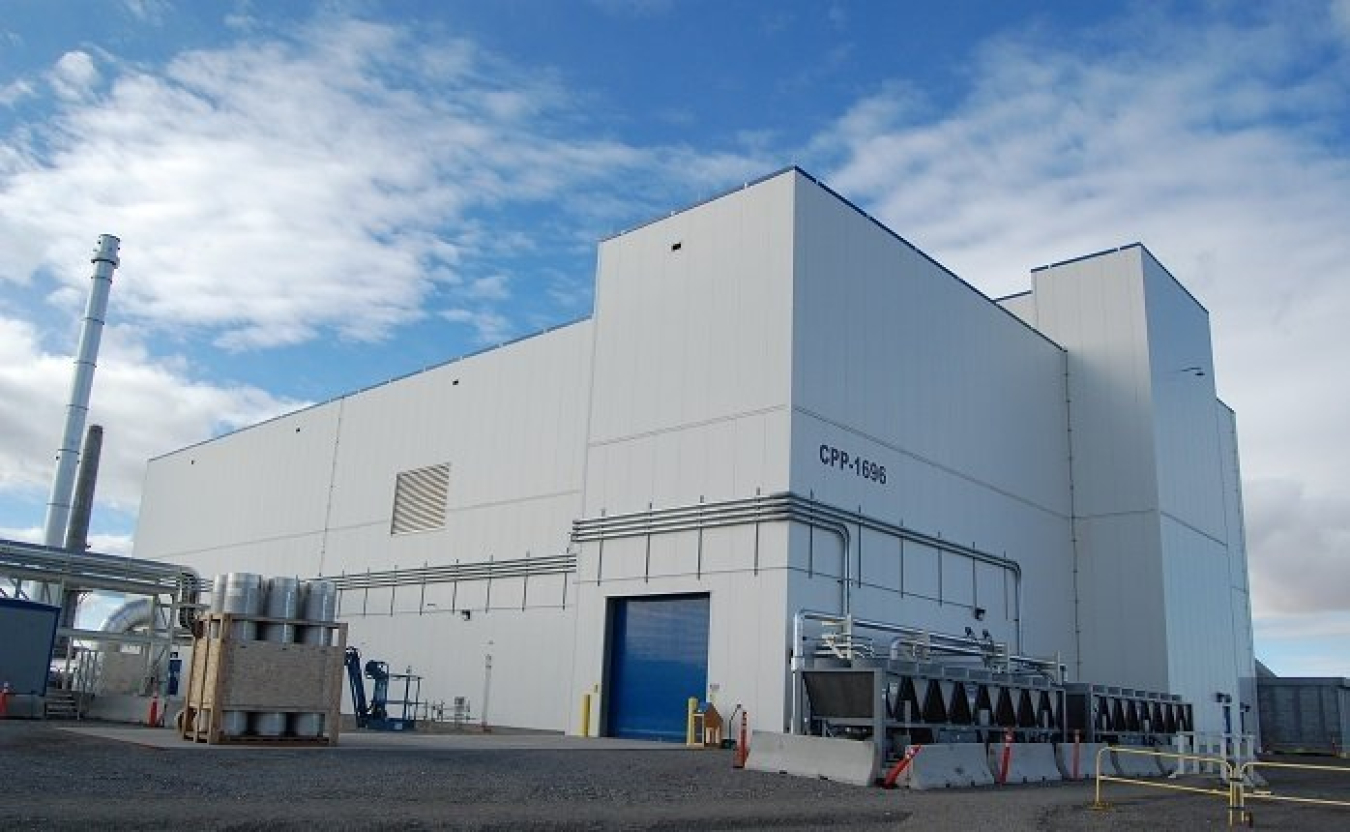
(58, 506)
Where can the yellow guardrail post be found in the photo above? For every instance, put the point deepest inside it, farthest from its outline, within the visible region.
(1097, 802)
(1235, 799)
(1236, 810)
(585, 714)
(690, 733)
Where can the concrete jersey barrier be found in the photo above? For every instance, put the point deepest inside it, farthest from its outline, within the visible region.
(1087, 760)
(1135, 765)
(843, 761)
(1028, 762)
(948, 765)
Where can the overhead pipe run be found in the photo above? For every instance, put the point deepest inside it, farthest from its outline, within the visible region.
(786, 507)
(516, 568)
(91, 570)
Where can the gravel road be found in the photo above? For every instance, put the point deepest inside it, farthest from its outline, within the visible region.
(64, 779)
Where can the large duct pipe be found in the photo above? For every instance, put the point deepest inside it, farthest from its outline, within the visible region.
(129, 616)
(58, 506)
(77, 532)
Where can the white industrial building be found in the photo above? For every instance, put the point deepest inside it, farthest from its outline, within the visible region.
(778, 405)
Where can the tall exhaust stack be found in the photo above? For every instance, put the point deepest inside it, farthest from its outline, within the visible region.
(58, 507)
(82, 508)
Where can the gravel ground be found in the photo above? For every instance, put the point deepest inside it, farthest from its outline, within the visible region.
(56, 779)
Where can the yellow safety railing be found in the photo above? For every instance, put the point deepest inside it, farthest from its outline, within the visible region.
(1232, 792)
(1244, 774)
(1235, 778)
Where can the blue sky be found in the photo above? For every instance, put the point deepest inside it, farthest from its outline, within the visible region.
(317, 197)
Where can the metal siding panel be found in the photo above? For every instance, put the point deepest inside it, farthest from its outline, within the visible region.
(922, 571)
(1190, 471)
(898, 362)
(686, 390)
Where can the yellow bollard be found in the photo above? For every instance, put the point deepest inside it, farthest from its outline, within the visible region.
(585, 714)
(690, 735)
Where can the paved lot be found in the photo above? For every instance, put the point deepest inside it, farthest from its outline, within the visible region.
(128, 778)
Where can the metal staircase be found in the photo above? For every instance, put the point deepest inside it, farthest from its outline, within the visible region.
(61, 704)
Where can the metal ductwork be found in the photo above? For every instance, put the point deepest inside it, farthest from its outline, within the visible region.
(77, 532)
(129, 616)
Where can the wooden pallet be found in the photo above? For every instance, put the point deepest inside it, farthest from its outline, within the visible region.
(233, 674)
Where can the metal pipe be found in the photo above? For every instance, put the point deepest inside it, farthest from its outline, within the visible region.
(547, 565)
(129, 616)
(791, 507)
(92, 570)
(77, 532)
(36, 557)
(946, 643)
(105, 260)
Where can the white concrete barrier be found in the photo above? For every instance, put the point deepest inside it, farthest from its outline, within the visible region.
(1028, 762)
(948, 765)
(843, 761)
(1087, 760)
(1135, 765)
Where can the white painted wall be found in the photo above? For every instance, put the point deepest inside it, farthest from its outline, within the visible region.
(693, 335)
(1095, 308)
(311, 494)
(1154, 481)
(731, 343)
(897, 361)
(254, 500)
(1244, 657)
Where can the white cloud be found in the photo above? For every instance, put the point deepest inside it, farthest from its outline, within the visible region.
(1305, 644)
(1216, 147)
(1304, 545)
(1340, 16)
(275, 190)
(74, 76)
(16, 91)
(26, 534)
(148, 406)
(291, 186)
(493, 287)
(148, 11)
(489, 327)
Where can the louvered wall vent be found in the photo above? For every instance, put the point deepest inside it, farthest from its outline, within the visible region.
(419, 499)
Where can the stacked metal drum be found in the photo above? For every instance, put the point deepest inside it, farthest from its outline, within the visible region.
(318, 603)
(293, 601)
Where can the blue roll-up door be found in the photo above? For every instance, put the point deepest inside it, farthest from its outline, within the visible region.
(658, 658)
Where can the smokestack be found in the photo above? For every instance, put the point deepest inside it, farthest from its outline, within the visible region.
(77, 533)
(58, 507)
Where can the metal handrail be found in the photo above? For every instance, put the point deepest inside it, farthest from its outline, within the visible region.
(1233, 792)
(1249, 768)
